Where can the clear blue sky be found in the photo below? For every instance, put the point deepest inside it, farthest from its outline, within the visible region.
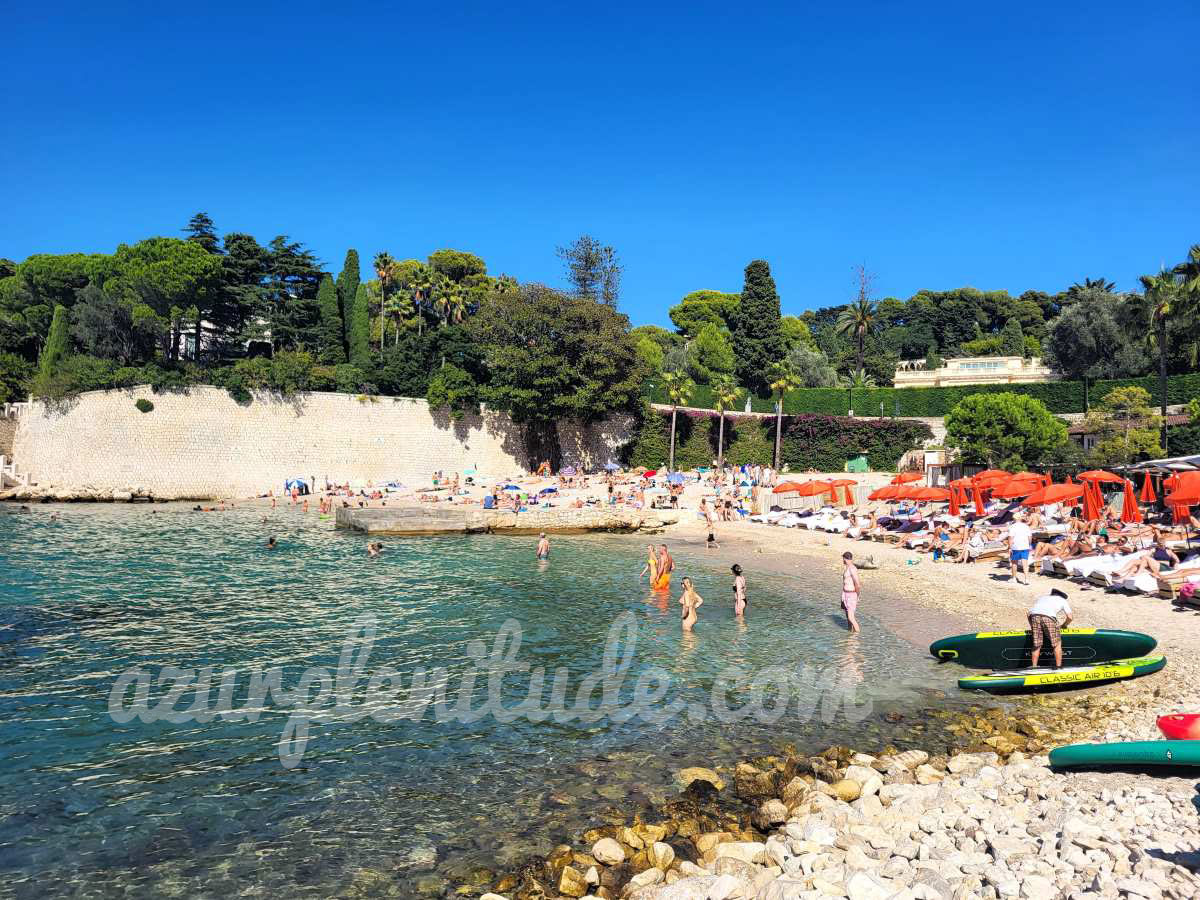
(942, 145)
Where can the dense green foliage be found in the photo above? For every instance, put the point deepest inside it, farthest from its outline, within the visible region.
(56, 344)
(331, 348)
(15, 375)
(757, 337)
(1004, 430)
(821, 443)
(143, 405)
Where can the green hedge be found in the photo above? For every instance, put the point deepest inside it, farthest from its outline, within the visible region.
(1059, 396)
(823, 443)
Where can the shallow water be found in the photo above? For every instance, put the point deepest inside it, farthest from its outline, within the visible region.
(93, 807)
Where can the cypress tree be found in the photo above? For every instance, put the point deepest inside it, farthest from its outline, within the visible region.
(360, 329)
(347, 291)
(1012, 339)
(332, 352)
(55, 347)
(757, 329)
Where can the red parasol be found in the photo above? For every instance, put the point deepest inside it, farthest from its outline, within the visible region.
(812, 488)
(954, 510)
(977, 496)
(991, 473)
(1097, 475)
(931, 493)
(847, 483)
(1129, 506)
(887, 492)
(1091, 506)
(908, 477)
(1016, 487)
(787, 487)
(1148, 490)
(1054, 493)
(1180, 514)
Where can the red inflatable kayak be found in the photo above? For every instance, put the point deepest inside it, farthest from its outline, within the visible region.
(1180, 726)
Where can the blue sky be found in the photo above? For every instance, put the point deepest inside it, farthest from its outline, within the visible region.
(941, 145)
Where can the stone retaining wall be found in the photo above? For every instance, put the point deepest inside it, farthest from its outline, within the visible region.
(204, 444)
(8, 432)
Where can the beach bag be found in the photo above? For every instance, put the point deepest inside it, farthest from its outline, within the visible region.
(1187, 590)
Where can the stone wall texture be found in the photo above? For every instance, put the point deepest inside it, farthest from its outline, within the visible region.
(205, 444)
(8, 433)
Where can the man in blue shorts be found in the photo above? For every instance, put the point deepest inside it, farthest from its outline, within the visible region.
(1020, 541)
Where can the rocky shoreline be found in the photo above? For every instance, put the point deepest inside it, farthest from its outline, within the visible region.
(981, 817)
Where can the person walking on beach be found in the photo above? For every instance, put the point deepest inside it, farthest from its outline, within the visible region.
(851, 589)
(1020, 540)
(739, 591)
(543, 546)
(1043, 623)
(690, 601)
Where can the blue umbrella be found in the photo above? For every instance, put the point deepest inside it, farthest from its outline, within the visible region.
(569, 470)
(549, 490)
(675, 478)
(612, 467)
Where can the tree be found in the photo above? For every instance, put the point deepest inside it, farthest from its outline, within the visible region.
(1012, 339)
(1127, 427)
(795, 333)
(783, 379)
(679, 392)
(710, 354)
(109, 328)
(347, 291)
(200, 230)
(457, 265)
(330, 350)
(552, 357)
(1161, 294)
(700, 308)
(813, 368)
(933, 360)
(15, 373)
(243, 273)
(651, 353)
(1086, 341)
(1005, 430)
(725, 396)
(385, 271)
(757, 340)
(56, 347)
(453, 389)
(593, 270)
(858, 318)
(360, 329)
(288, 316)
(417, 279)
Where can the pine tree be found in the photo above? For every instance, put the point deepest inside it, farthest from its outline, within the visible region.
(359, 325)
(331, 350)
(1012, 339)
(201, 230)
(757, 331)
(55, 347)
(347, 291)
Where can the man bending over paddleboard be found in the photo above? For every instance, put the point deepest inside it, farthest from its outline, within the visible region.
(1043, 620)
(851, 588)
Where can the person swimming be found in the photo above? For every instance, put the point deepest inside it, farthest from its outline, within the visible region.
(271, 543)
(739, 591)
(374, 549)
(690, 601)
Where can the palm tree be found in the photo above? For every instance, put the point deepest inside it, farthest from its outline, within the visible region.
(456, 307)
(784, 378)
(1188, 272)
(725, 396)
(1161, 292)
(385, 271)
(420, 284)
(856, 321)
(679, 392)
(859, 379)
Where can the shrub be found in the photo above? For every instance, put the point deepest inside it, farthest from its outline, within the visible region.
(15, 374)
(143, 405)
(650, 445)
(693, 442)
(826, 443)
(750, 445)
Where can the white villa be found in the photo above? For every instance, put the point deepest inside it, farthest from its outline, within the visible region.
(973, 370)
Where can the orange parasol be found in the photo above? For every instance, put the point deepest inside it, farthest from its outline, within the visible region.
(954, 510)
(787, 487)
(908, 477)
(887, 492)
(1148, 490)
(1180, 514)
(991, 473)
(847, 483)
(1129, 506)
(1015, 487)
(931, 493)
(1054, 493)
(977, 496)
(1097, 475)
(812, 488)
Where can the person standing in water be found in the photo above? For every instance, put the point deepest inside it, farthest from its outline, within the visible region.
(851, 589)
(543, 546)
(690, 601)
(739, 591)
(666, 565)
(651, 565)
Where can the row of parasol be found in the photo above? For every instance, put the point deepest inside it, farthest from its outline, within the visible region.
(1032, 488)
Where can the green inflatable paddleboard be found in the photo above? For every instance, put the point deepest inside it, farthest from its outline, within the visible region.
(1067, 676)
(1012, 649)
(1130, 753)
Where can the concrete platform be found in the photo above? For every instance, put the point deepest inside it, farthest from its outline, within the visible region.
(435, 519)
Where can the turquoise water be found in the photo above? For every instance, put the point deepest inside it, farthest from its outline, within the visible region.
(90, 806)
